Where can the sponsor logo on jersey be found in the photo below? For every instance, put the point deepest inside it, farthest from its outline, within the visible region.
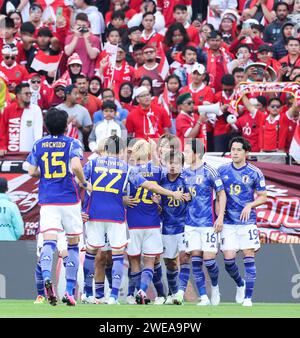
(29, 123)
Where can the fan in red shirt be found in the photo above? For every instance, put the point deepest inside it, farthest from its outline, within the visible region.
(292, 60)
(14, 72)
(180, 15)
(156, 71)
(149, 35)
(121, 5)
(147, 120)
(221, 127)
(167, 8)
(188, 124)
(249, 123)
(201, 93)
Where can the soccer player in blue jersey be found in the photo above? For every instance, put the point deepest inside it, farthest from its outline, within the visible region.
(173, 222)
(144, 221)
(201, 225)
(109, 175)
(245, 190)
(56, 160)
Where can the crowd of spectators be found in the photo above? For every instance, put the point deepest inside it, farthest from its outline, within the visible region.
(143, 68)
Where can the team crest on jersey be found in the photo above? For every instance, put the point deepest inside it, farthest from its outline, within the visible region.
(245, 179)
(199, 179)
(18, 74)
(29, 123)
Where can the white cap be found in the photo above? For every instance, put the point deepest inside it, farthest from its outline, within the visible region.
(199, 68)
(142, 89)
(251, 22)
(9, 50)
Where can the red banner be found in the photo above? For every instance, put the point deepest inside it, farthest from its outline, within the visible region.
(278, 219)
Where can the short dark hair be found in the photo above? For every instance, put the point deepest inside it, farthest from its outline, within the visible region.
(238, 70)
(180, 8)
(80, 76)
(244, 46)
(291, 38)
(82, 17)
(242, 140)
(56, 121)
(45, 31)
(228, 80)
(109, 104)
(27, 27)
(148, 13)
(108, 90)
(114, 145)
(20, 86)
(214, 34)
(138, 46)
(119, 14)
(112, 29)
(279, 4)
(3, 185)
(262, 100)
(134, 29)
(197, 146)
(192, 48)
(275, 99)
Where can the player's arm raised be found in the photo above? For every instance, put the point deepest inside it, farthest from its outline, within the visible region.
(78, 171)
(221, 197)
(261, 199)
(177, 195)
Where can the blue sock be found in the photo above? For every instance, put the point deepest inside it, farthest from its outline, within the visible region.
(146, 279)
(250, 275)
(39, 282)
(108, 274)
(157, 280)
(184, 276)
(233, 270)
(199, 274)
(172, 276)
(46, 258)
(88, 271)
(213, 270)
(72, 267)
(117, 274)
(134, 281)
(99, 289)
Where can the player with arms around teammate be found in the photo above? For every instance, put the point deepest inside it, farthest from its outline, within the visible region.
(173, 221)
(109, 175)
(202, 226)
(241, 181)
(56, 160)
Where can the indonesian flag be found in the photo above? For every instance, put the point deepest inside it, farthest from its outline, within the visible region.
(72, 131)
(165, 102)
(295, 145)
(163, 64)
(45, 62)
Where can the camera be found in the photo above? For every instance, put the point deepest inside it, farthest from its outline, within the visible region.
(83, 30)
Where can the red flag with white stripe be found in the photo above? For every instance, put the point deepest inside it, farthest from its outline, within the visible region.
(163, 64)
(45, 62)
(295, 145)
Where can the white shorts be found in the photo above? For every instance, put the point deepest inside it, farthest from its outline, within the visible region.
(201, 239)
(239, 237)
(145, 241)
(99, 233)
(58, 218)
(173, 244)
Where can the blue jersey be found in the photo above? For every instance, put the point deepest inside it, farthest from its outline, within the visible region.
(52, 155)
(202, 183)
(173, 211)
(240, 185)
(145, 214)
(108, 176)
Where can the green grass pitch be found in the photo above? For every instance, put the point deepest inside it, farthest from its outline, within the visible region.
(26, 309)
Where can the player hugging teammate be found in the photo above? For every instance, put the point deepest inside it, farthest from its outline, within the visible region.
(146, 205)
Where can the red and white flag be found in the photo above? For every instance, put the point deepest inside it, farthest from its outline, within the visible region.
(295, 145)
(165, 102)
(163, 64)
(45, 62)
